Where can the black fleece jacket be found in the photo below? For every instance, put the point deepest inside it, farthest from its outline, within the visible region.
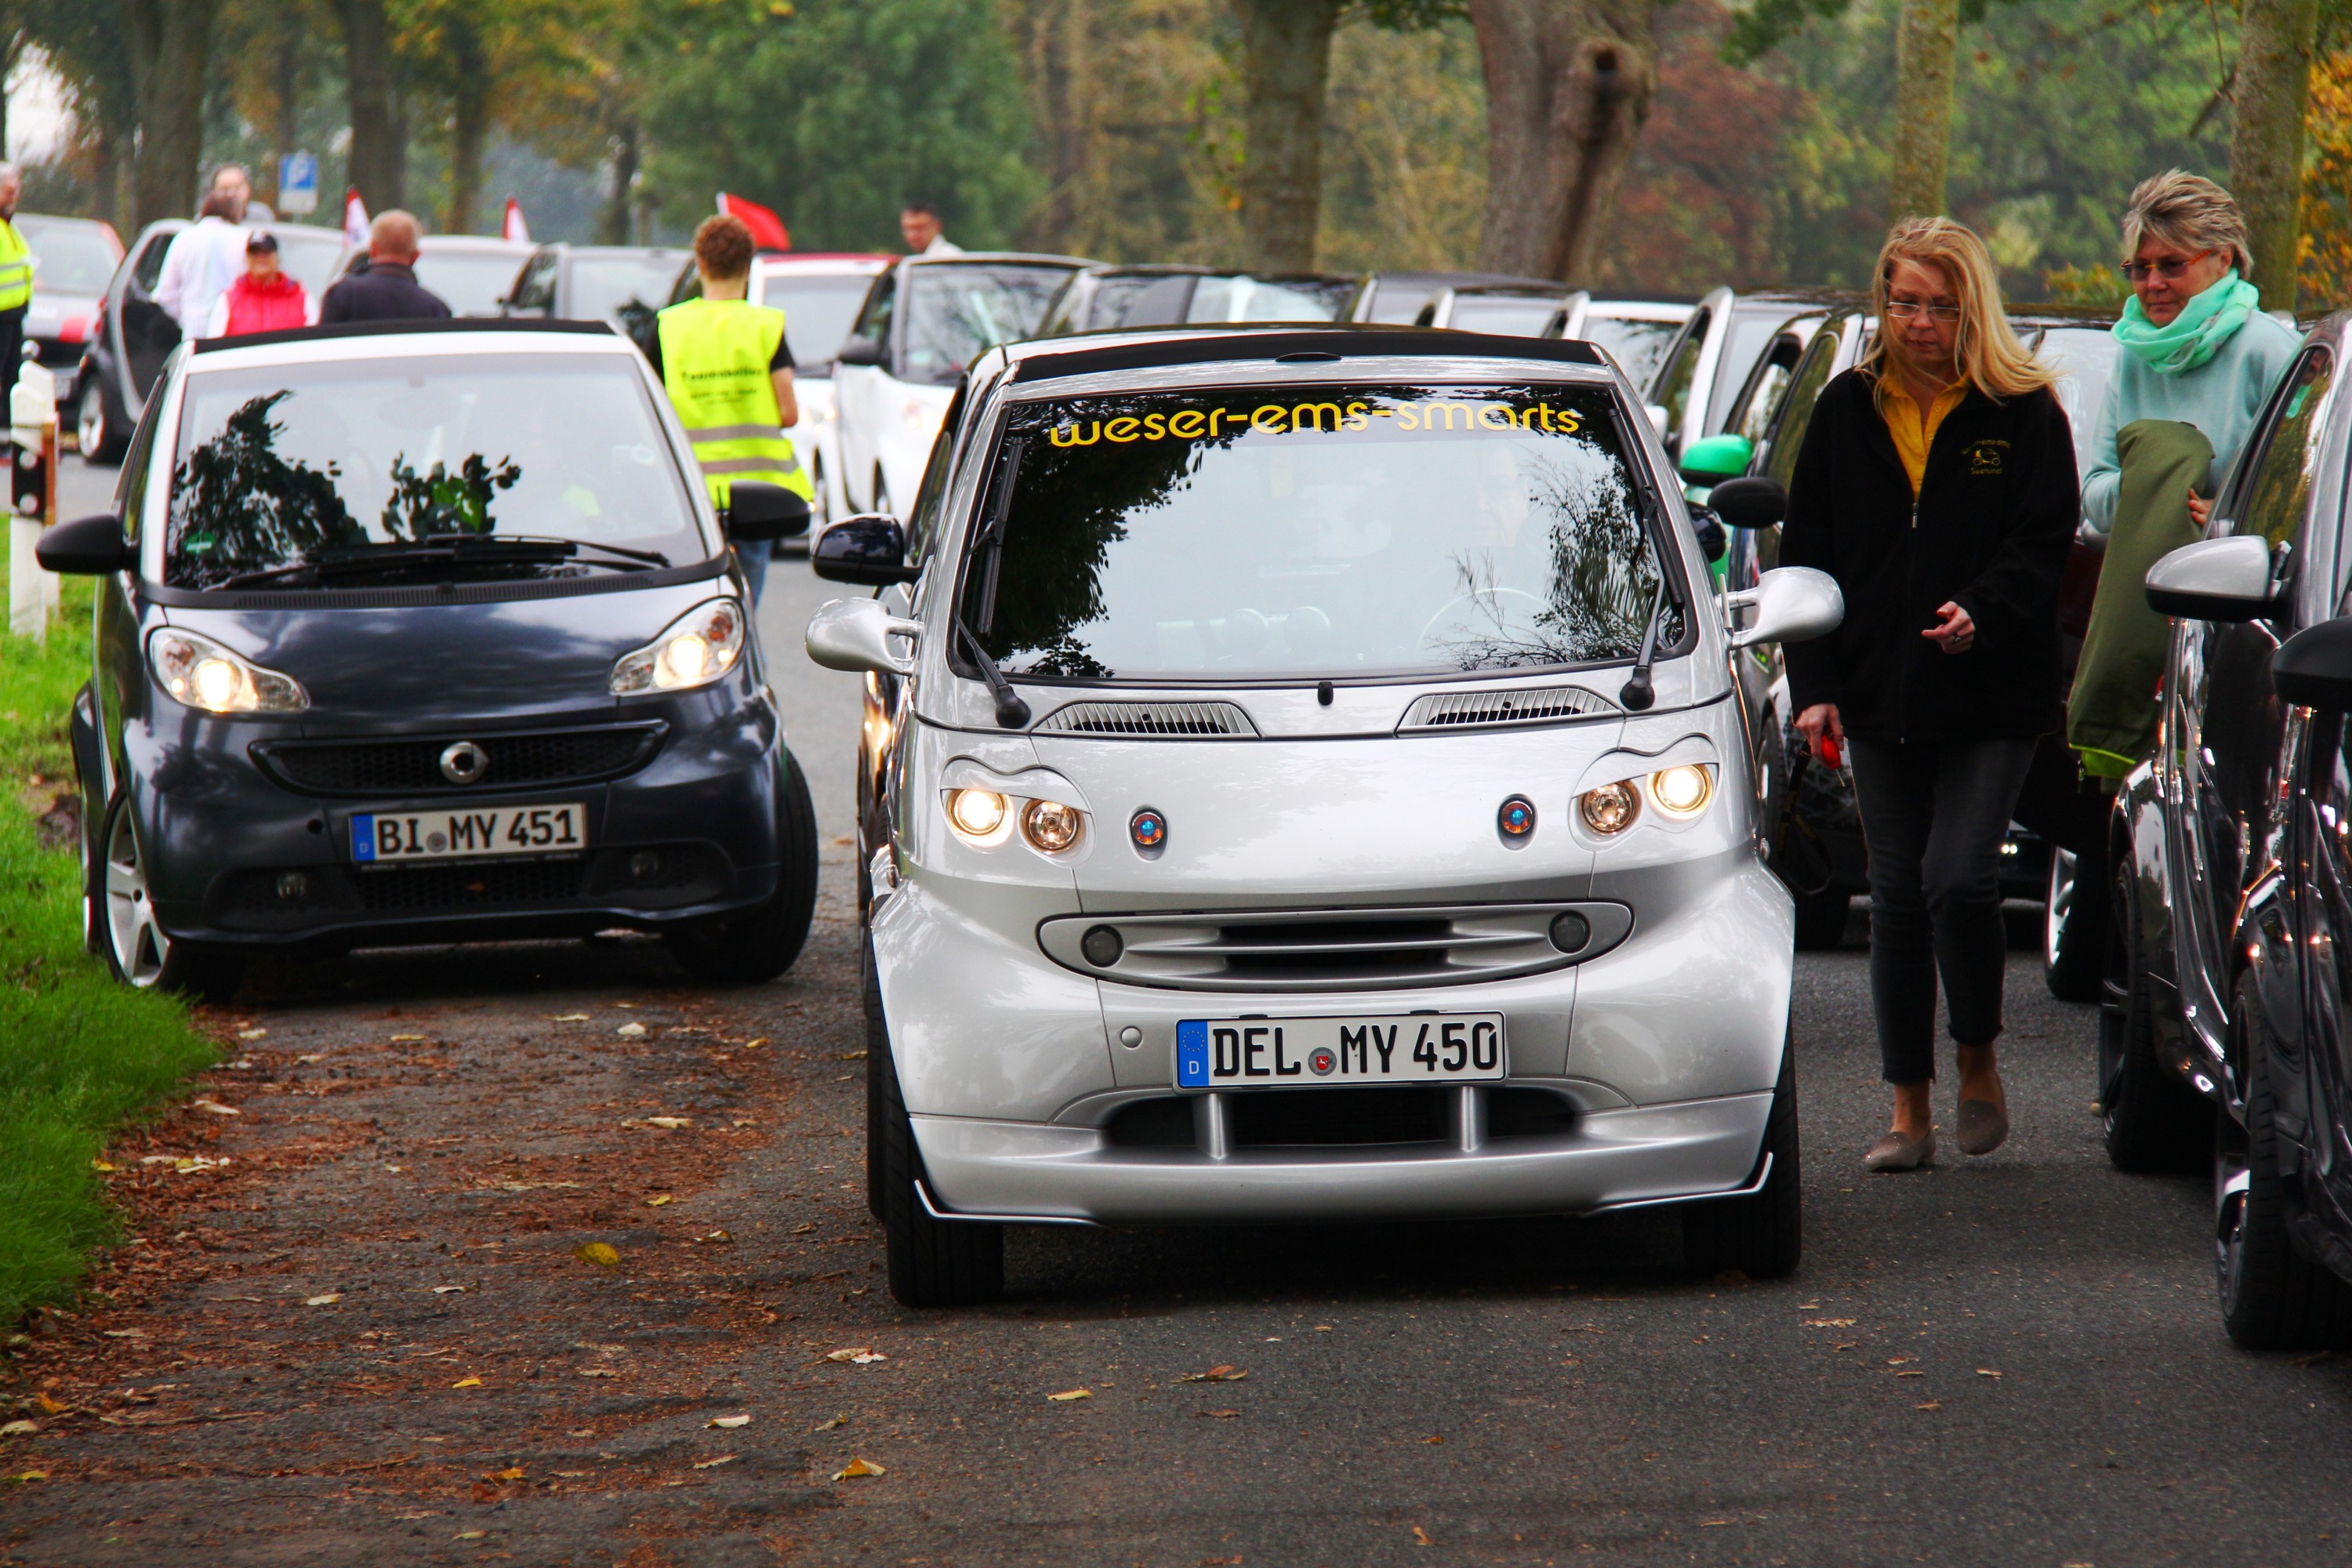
(1990, 530)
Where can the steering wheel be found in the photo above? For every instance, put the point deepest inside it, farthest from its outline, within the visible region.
(1535, 606)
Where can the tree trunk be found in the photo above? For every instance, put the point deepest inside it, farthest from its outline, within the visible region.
(1567, 87)
(170, 43)
(2274, 85)
(470, 123)
(1927, 44)
(1285, 67)
(288, 92)
(613, 223)
(375, 156)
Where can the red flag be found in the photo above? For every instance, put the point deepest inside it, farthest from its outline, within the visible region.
(355, 217)
(515, 227)
(767, 231)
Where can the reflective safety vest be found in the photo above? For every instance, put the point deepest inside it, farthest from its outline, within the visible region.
(15, 267)
(715, 355)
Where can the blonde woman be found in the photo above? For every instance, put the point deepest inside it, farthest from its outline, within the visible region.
(1937, 484)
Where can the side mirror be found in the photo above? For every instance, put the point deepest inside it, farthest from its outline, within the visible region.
(1717, 458)
(2312, 669)
(869, 550)
(87, 547)
(1657, 413)
(859, 351)
(1792, 604)
(1713, 542)
(2215, 579)
(854, 634)
(1756, 501)
(760, 508)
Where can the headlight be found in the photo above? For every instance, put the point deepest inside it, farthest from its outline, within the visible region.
(1681, 793)
(1051, 826)
(201, 673)
(981, 816)
(1611, 809)
(699, 648)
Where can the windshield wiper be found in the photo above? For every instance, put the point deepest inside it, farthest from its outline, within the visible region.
(1012, 712)
(445, 548)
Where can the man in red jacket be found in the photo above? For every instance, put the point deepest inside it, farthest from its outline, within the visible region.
(265, 300)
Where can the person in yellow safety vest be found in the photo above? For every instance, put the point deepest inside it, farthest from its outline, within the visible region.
(16, 280)
(728, 368)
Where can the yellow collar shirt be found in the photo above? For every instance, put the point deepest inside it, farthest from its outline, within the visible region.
(1914, 434)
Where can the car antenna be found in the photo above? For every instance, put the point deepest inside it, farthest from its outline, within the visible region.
(1637, 693)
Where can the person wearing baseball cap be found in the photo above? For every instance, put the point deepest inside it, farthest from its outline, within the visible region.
(264, 299)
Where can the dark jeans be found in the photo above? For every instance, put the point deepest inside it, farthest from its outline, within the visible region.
(1933, 816)
(753, 555)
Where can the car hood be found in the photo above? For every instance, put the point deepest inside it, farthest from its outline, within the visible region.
(515, 660)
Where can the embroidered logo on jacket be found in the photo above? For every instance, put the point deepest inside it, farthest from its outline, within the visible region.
(1987, 459)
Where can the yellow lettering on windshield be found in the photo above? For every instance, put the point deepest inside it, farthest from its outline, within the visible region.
(1309, 415)
(1468, 411)
(1269, 418)
(1318, 419)
(1121, 429)
(1186, 425)
(1073, 438)
(1487, 415)
(1155, 426)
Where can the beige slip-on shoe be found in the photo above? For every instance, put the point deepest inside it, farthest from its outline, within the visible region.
(1898, 1151)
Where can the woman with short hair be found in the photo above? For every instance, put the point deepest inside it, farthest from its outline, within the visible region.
(1937, 484)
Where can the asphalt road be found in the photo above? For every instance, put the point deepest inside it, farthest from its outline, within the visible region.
(2008, 1360)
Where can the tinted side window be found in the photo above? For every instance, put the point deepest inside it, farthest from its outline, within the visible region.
(150, 270)
(932, 495)
(1673, 385)
(2278, 489)
(536, 290)
(873, 316)
(1751, 413)
(131, 489)
(1796, 411)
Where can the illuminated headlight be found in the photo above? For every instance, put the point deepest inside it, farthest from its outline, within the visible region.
(1611, 809)
(981, 817)
(201, 673)
(699, 648)
(1051, 826)
(1681, 793)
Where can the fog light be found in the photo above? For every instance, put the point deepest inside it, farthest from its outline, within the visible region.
(1517, 818)
(1050, 825)
(1682, 792)
(1570, 932)
(1148, 828)
(645, 866)
(982, 815)
(1609, 809)
(1102, 946)
(292, 886)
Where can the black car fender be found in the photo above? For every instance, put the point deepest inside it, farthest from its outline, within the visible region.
(2264, 942)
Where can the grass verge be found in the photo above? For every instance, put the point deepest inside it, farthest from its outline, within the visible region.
(78, 1053)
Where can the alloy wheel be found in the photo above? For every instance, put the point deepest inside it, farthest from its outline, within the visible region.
(2232, 1179)
(139, 945)
(2116, 1001)
(90, 421)
(2060, 903)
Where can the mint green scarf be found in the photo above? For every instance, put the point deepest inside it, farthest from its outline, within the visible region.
(2197, 335)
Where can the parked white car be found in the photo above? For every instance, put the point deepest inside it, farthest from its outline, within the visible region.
(923, 322)
(1302, 781)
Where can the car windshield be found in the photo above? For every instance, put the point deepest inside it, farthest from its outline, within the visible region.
(70, 258)
(284, 466)
(1639, 346)
(2085, 358)
(957, 311)
(1520, 316)
(1313, 532)
(603, 287)
(1246, 299)
(470, 283)
(818, 310)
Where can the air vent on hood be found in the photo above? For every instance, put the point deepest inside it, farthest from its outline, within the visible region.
(1150, 720)
(1474, 709)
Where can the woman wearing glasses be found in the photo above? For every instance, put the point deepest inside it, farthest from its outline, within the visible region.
(1937, 484)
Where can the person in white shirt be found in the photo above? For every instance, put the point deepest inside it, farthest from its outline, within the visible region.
(234, 179)
(203, 262)
(918, 224)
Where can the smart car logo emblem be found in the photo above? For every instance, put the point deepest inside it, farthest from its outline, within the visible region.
(463, 762)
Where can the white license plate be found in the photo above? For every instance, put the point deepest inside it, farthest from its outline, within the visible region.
(460, 833)
(1319, 1053)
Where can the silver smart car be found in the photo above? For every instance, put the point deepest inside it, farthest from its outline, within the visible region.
(1306, 785)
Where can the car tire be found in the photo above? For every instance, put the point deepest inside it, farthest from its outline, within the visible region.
(2272, 1298)
(1821, 919)
(1760, 1234)
(139, 952)
(878, 1051)
(762, 945)
(2153, 1121)
(99, 440)
(2074, 934)
(933, 1262)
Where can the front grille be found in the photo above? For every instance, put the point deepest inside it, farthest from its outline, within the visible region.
(1149, 721)
(1488, 709)
(520, 884)
(1342, 1118)
(411, 765)
(1335, 950)
(1305, 1118)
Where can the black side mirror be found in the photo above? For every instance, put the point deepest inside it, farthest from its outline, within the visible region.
(761, 509)
(1713, 542)
(868, 549)
(2312, 669)
(1754, 502)
(859, 351)
(87, 547)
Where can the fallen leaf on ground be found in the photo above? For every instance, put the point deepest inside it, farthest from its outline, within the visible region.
(856, 1467)
(630, 1031)
(669, 1123)
(1901, 1359)
(1224, 1373)
(829, 1426)
(511, 1473)
(1323, 1328)
(803, 1229)
(251, 1034)
(328, 1299)
(1421, 1537)
(25, 1476)
(406, 1039)
(1434, 1440)
(49, 1405)
(600, 1372)
(1829, 1322)
(19, 1429)
(447, 1289)
(1069, 1393)
(467, 1383)
(1809, 1306)
(567, 1018)
(1219, 1415)
(599, 1253)
(857, 1353)
(729, 1422)
(126, 1333)
(850, 1056)
(1931, 1405)
(102, 1165)
(1987, 1371)
(469, 1535)
(714, 1464)
(752, 1045)
(314, 1057)
(716, 1238)
(1221, 1561)
(215, 1108)
(656, 1201)
(1910, 1375)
